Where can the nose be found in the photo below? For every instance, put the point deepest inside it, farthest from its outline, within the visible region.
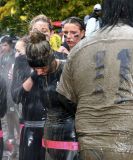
(68, 35)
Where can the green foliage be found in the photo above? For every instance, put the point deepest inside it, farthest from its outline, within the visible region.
(54, 9)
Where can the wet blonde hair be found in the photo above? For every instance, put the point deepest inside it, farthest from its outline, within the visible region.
(37, 18)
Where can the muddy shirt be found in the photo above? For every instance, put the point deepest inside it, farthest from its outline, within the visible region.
(98, 76)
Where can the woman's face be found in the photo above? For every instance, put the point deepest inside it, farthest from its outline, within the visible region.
(42, 27)
(72, 34)
(46, 69)
(20, 48)
(5, 47)
(42, 70)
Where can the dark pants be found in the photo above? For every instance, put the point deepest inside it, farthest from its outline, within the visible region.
(31, 144)
(58, 134)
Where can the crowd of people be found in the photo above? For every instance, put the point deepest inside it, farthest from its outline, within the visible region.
(70, 97)
(35, 64)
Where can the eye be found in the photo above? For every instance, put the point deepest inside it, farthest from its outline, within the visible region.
(65, 32)
(16, 50)
(44, 30)
(73, 32)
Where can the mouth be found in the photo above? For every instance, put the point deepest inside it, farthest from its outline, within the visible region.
(70, 41)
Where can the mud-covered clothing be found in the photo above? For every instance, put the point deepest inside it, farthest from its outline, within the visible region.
(55, 110)
(61, 141)
(31, 143)
(98, 76)
(3, 109)
(59, 127)
(33, 104)
(33, 111)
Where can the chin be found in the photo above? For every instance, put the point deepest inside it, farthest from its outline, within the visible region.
(71, 45)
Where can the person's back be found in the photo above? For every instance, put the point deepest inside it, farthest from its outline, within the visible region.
(103, 86)
(104, 93)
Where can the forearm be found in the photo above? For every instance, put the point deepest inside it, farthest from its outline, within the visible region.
(28, 84)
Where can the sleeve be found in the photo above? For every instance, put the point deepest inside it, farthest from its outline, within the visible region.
(68, 105)
(3, 98)
(20, 73)
(65, 86)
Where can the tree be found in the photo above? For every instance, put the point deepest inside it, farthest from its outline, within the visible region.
(15, 15)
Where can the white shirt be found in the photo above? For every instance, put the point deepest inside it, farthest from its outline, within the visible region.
(92, 26)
